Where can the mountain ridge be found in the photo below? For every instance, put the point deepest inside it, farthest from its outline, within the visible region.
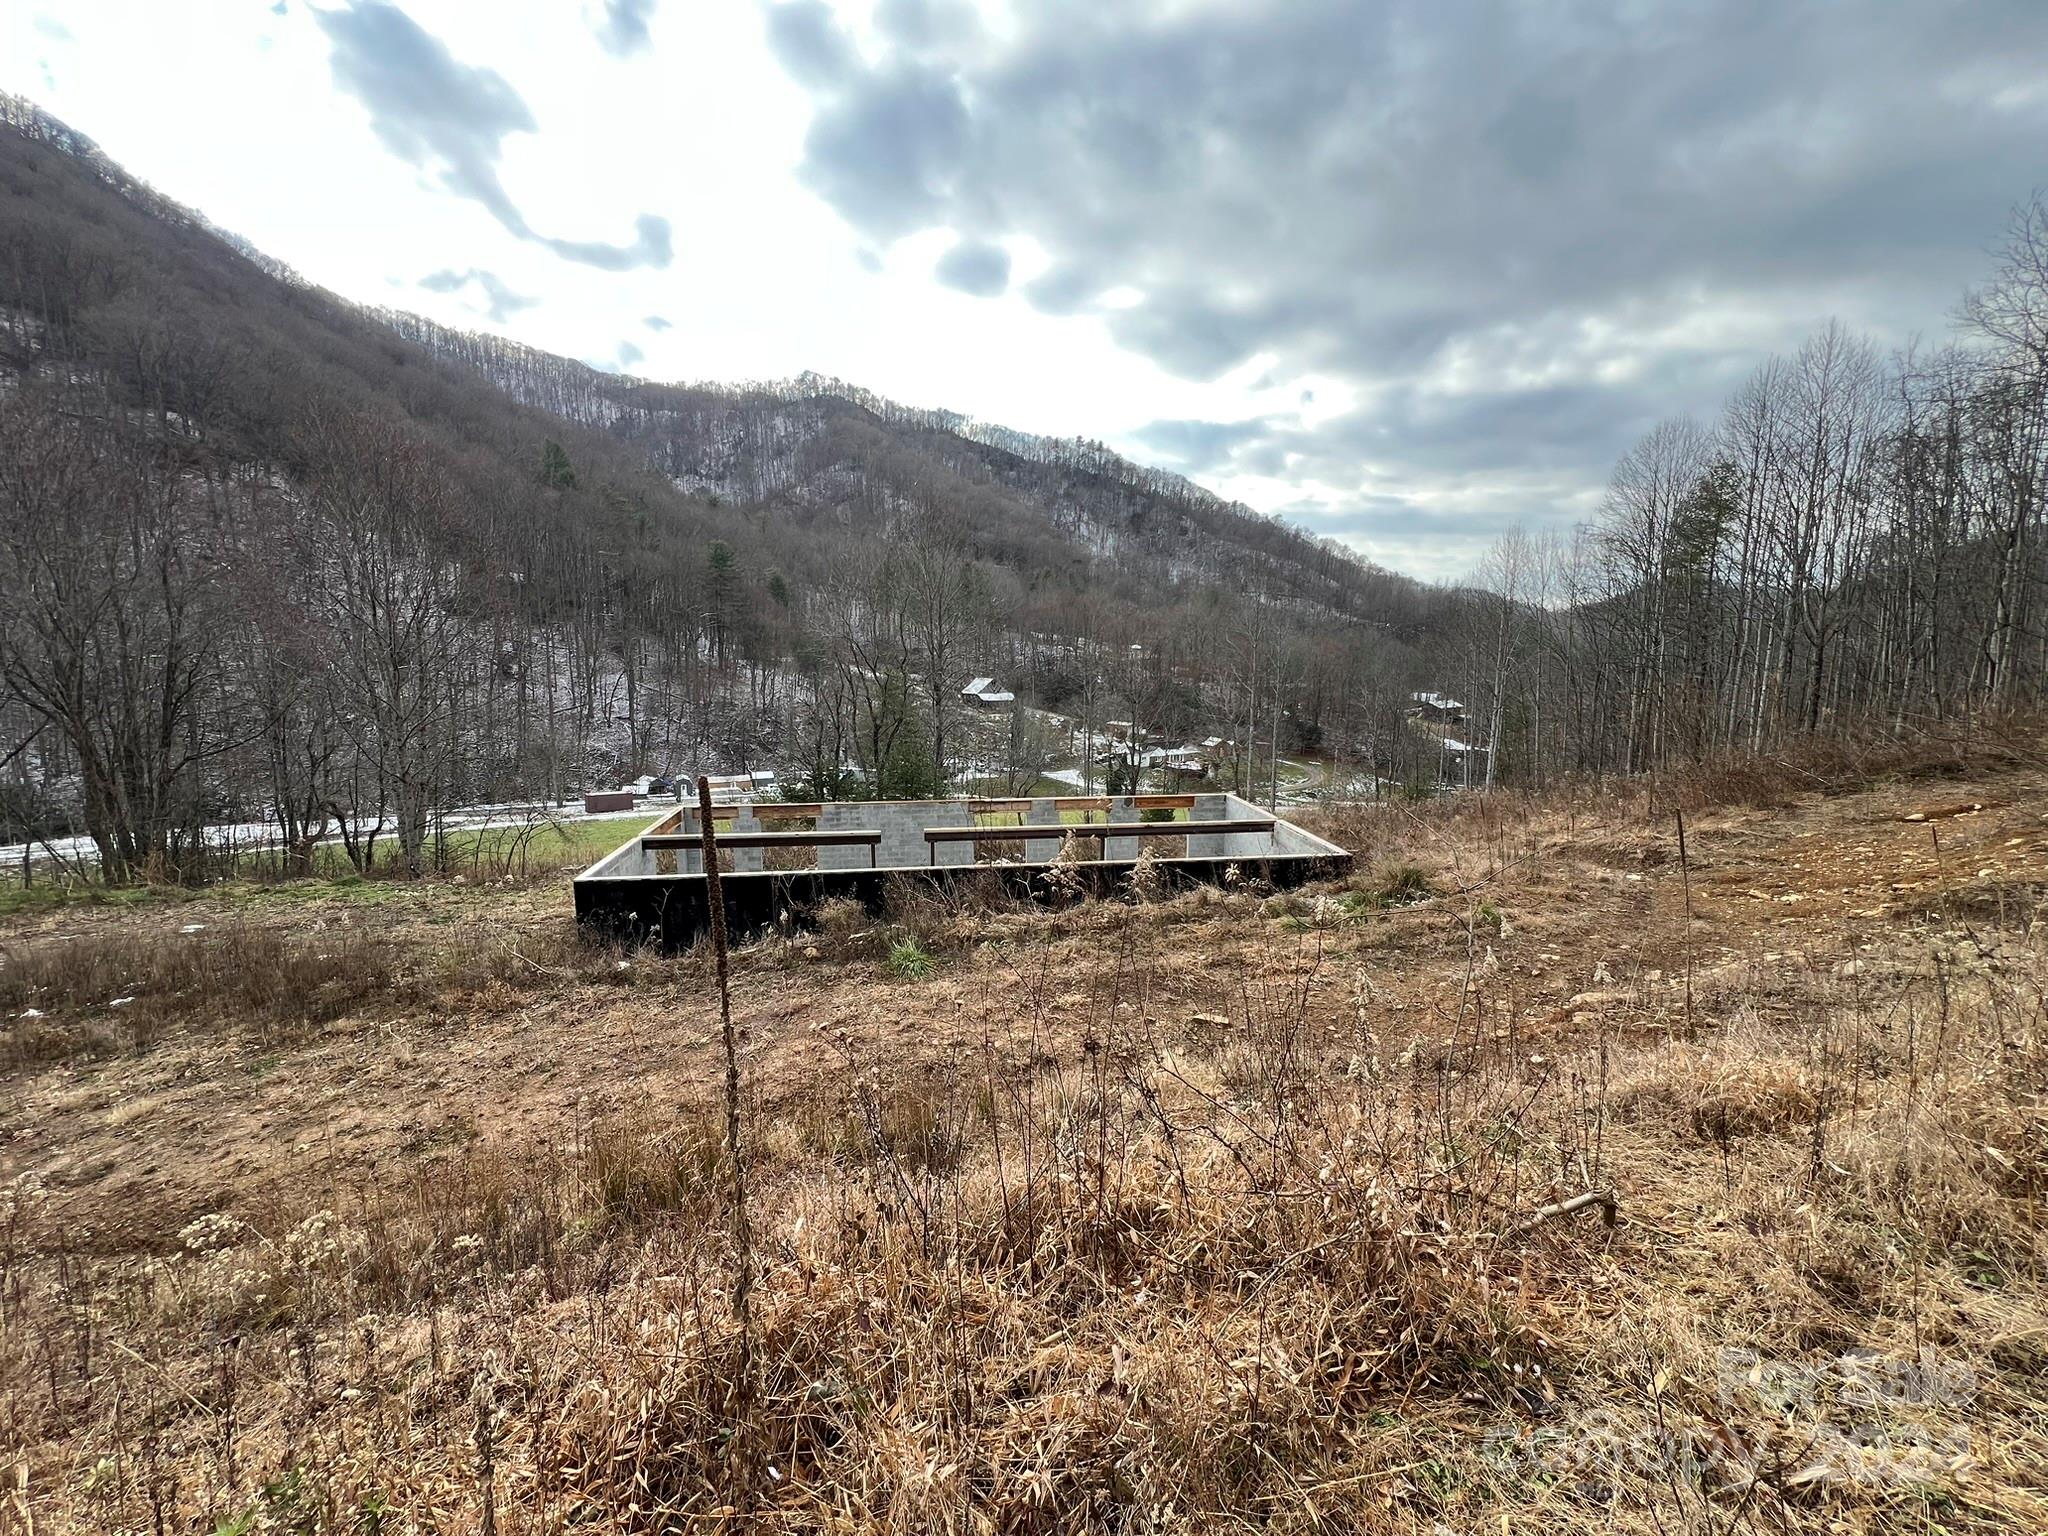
(1077, 454)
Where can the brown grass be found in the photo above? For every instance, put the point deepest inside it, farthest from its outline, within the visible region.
(1095, 1259)
(109, 990)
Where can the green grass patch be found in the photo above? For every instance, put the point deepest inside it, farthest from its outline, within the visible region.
(910, 960)
(496, 851)
(57, 895)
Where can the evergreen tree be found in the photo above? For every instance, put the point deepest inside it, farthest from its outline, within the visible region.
(556, 472)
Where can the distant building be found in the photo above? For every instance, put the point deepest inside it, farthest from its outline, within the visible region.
(1174, 759)
(1460, 764)
(983, 691)
(1436, 706)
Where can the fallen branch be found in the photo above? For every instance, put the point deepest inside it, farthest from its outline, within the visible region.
(1604, 1198)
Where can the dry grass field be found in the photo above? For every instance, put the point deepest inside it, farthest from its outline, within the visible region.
(1538, 1177)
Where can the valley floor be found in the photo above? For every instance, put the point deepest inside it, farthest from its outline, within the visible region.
(386, 1208)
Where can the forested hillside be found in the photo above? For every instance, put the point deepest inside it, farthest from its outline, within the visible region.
(271, 556)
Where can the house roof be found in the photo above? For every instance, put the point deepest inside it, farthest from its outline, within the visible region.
(996, 696)
(978, 685)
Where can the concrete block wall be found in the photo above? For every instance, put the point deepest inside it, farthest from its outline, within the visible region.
(938, 813)
(903, 846)
(841, 815)
(747, 860)
(1208, 808)
(1043, 850)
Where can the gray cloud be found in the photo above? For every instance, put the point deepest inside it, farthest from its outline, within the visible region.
(437, 113)
(807, 42)
(889, 158)
(976, 267)
(1516, 232)
(1201, 447)
(624, 28)
(500, 302)
(1063, 290)
(1422, 479)
(1446, 540)
(653, 246)
(657, 322)
(922, 24)
(629, 354)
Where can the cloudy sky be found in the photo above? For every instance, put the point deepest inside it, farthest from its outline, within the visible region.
(1406, 271)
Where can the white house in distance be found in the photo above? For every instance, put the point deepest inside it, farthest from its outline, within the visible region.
(983, 691)
(1189, 760)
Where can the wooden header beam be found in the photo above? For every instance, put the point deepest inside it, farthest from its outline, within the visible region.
(1017, 807)
(933, 836)
(838, 837)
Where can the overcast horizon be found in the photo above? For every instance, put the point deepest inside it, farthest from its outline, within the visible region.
(1405, 278)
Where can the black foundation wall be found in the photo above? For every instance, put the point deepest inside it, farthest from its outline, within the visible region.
(672, 910)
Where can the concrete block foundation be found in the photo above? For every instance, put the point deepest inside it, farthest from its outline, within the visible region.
(652, 888)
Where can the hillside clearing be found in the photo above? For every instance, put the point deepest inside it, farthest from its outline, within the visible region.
(1228, 1210)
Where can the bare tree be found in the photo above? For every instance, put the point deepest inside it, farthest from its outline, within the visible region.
(110, 630)
(394, 640)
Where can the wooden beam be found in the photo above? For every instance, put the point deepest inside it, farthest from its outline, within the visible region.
(1099, 829)
(838, 837)
(933, 836)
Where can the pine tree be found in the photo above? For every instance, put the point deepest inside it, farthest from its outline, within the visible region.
(556, 472)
